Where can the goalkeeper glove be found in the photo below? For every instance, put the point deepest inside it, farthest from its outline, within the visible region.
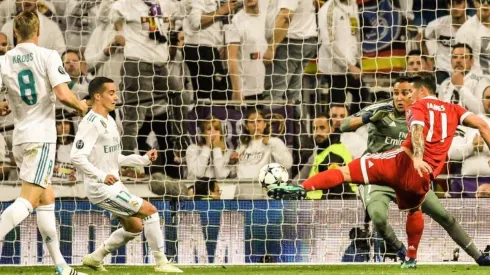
(378, 114)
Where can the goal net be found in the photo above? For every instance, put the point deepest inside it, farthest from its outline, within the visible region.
(221, 88)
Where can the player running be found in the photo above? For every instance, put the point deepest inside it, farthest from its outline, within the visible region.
(409, 169)
(387, 129)
(96, 153)
(31, 74)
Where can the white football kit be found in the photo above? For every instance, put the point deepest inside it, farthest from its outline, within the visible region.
(30, 73)
(96, 153)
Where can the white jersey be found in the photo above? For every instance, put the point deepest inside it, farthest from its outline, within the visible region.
(30, 73)
(96, 153)
(443, 33)
(475, 34)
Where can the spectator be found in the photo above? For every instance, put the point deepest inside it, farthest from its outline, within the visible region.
(463, 87)
(4, 44)
(105, 48)
(329, 153)
(205, 189)
(340, 52)
(292, 45)
(336, 114)
(203, 37)
(246, 46)
(469, 148)
(80, 22)
(50, 35)
(78, 84)
(145, 73)
(6, 164)
(442, 31)
(209, 157)
(8, 9)
(63, 169)
(257, 148)
(417, 62)
(476, 33)
(177, 68)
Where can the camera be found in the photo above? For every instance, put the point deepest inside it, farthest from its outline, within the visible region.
(227, 18)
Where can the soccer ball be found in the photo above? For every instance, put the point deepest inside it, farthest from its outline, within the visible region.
(273, 175)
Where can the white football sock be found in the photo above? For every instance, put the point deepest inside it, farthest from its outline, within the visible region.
(13, 215)
(46, 222)
(154, 235)
(117, 239)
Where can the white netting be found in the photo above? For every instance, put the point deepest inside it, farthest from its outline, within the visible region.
(192, 79)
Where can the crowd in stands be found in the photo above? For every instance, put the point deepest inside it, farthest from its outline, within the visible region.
(222, 88)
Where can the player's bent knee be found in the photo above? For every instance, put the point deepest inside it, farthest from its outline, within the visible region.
(147, 209)
(132, 225)
(47, 198)
(32, 193)
(378, 214)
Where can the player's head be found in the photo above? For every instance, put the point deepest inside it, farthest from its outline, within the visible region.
(486, 100)
(416, 62)
(424, 84)
(26, 26)
(402, 93)
(461, 58)
(250, 3)
(482, 10)
(103, 93)
(337, 113)
(457, 8)
(321, 128)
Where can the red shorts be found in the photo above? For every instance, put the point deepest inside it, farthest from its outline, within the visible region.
(394, 169)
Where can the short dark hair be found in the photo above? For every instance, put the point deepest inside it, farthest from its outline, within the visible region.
(416, 53)
(204, 187)
(426, 79)
(321, 114)
(336, 105)
(403, 78)
(71, 51)
(96, 84)
(463, 45)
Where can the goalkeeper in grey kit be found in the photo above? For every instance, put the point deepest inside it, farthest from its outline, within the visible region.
(387, 129)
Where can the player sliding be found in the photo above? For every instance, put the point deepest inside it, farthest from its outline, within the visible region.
(31, 74)
(387, 127)
(96, 153)
(410, 169)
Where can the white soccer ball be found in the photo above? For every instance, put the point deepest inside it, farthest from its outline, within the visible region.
(273, 175)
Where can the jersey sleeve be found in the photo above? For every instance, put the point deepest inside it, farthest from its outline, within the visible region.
(232, 34)
(85, 140)
(56, 71)
(133, 160)
(416, 115)
(461, 112)
(430, 30)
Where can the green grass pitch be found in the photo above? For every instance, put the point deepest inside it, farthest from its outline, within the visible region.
(271, 270)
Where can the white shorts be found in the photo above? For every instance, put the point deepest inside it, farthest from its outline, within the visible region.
(36, 162)
(119, 201)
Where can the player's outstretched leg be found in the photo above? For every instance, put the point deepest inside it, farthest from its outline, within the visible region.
(46, 222)
(131, 228)
(21, 208)
(154, 235)
(414, 229)
(433, 207)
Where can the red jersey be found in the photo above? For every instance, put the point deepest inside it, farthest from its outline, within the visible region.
(439, 120)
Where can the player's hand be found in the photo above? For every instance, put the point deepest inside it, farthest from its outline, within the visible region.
(269, 55)
(83, 108)
(227, 8)
(458, 79)
(355, 71)
(110, 180)
(381, 112)
(478, 143)
(4, 108)
(152, 155)
(119, 41)
(421, 167)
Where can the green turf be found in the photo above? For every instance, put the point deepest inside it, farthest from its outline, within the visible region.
(271, 270)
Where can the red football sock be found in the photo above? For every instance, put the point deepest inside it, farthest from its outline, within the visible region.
(324, 180)
(415, 228)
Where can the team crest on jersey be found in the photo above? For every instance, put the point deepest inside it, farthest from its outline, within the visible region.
(61, 70)
(79, 144)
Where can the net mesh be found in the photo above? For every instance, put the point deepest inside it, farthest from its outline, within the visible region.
(220, 94)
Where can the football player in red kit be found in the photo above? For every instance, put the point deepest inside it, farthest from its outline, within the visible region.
(409, 169)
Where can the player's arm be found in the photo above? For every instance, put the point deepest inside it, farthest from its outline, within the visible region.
(478, 123)
(68, 98)
(366, 116)
(137, 160)
(416, 122)
(85, 140)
